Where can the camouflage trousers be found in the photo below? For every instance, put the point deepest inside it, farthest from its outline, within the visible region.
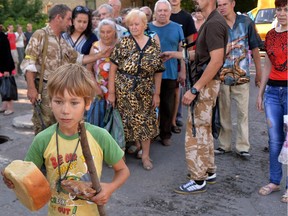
(45, 112)
(199, 150)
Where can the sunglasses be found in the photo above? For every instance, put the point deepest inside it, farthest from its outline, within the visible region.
(82, 9)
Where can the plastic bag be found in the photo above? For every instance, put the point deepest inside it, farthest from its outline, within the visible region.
(8, 88)
(283, 156)
(96, 113)
(113, 124)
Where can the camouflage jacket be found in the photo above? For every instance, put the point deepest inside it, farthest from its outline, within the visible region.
(59, 52)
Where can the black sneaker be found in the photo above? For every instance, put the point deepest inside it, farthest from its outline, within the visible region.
(244, 154)
(209, 180)
(220, 151)
(179, 123)
(191, 188)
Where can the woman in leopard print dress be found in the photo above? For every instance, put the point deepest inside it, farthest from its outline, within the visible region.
(134, 83)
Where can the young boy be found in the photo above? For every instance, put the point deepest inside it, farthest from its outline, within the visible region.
(71, 90)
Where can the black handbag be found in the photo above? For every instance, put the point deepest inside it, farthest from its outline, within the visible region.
(8, 89)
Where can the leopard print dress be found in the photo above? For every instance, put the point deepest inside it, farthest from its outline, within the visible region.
(134, 87)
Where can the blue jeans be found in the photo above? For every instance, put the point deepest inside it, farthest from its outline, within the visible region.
(275, 101)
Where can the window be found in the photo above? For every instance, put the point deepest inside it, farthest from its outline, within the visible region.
(91, 4)
(265, 16)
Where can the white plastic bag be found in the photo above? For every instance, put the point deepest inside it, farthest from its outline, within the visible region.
(283, 156)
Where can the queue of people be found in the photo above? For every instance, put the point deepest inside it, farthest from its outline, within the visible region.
(135, 69)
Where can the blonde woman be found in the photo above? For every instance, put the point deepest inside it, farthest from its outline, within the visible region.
(134, 83)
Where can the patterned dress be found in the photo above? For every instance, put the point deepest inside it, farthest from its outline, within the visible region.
(134, 85)
(101, 69)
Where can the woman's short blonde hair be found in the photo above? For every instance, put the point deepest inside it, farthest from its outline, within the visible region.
(134, 13)
(74, 78)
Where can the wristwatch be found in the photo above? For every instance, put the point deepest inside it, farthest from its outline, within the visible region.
(194, 91)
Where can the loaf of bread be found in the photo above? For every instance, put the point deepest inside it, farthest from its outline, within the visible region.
(31, 187)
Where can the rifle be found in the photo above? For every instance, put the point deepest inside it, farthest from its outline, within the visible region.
(39, 113)
(189, 79)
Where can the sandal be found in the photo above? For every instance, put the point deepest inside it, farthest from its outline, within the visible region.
(268, 189)
(146, 162)
(133, 149)
(8, 112)
(176, 129)
(139, 154)
(284, 198)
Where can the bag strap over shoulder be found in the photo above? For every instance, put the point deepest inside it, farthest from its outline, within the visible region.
(44, 54)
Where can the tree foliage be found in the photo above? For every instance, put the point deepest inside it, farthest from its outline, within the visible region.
(22, 12)
(242, 6)
(245, 5)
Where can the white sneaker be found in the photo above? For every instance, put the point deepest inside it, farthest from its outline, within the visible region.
(191, 188)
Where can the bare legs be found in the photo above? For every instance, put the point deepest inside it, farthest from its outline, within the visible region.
(146, 161)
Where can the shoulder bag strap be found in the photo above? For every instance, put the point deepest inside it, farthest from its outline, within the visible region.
(44, 53)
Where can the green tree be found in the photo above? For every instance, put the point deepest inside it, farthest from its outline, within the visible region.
(21, 12)
(245, 5)
(242, 6)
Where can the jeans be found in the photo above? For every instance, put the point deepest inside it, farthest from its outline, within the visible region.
(275, 101)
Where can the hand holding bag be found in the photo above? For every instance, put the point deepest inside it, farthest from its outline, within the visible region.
(113, 124)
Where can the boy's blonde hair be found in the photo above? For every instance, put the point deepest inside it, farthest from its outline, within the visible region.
(74, 78)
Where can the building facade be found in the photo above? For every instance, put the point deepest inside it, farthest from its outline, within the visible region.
(93, 4)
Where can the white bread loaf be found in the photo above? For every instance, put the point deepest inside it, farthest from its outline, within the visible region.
(31, 187)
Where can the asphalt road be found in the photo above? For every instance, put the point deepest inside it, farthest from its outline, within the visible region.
(151, 192)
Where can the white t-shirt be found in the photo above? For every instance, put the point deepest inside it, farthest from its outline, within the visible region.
(19, 39)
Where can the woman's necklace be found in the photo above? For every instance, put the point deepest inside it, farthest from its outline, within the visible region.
(58, 164)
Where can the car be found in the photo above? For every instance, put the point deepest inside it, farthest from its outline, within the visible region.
(263, 21)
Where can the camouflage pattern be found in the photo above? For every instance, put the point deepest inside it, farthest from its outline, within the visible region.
(200, 149)
(46, 113)
(59, 52)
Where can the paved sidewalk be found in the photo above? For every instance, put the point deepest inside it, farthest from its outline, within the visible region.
(150, 193)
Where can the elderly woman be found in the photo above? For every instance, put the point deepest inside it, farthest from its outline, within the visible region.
(80, 35)
(273, 86)
(134, 83)
(107, 34)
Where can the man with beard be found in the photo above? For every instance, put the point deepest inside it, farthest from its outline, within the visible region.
(58, 52)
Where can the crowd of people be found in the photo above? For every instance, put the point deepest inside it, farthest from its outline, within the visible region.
(134, 61)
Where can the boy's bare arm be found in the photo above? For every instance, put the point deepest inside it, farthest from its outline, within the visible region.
(121, 173)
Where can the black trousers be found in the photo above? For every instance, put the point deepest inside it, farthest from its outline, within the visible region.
(167, 100)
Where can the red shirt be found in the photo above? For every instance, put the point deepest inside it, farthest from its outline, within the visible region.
(276, 48)
(12, 40)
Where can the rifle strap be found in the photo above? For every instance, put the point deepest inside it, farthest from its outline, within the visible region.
(44, 53)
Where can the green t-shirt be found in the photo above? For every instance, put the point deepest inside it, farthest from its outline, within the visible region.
(43, 150)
